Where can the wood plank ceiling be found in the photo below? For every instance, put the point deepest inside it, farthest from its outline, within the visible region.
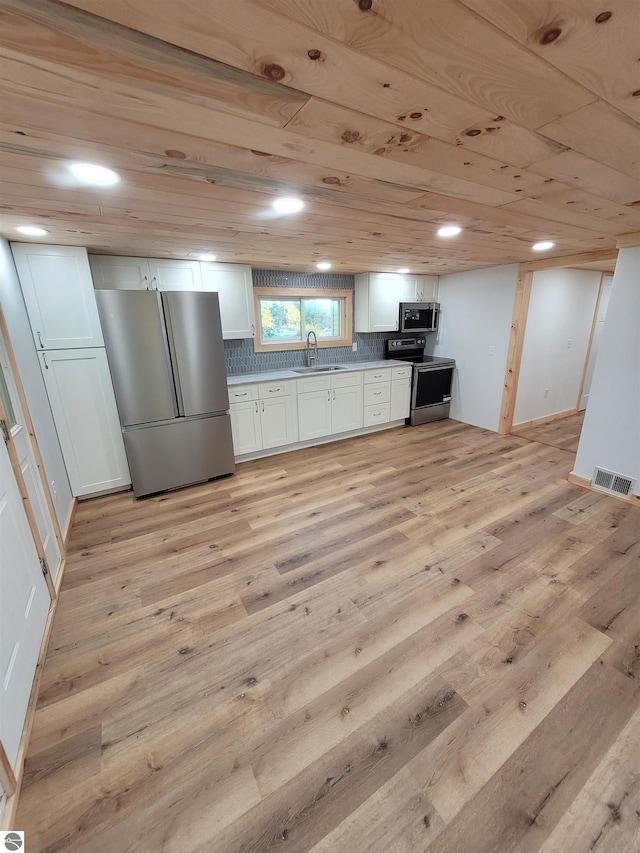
(517, 120)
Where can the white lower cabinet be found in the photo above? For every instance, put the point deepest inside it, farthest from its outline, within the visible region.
(263, 416)
(245, 427)
(400, 392)
(400, 399)
(267, 415)
(329, 405)
(84, 409)
(314, 414)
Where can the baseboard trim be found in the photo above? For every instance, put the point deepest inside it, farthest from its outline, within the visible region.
(66, 531)
(547, 419)
(11, 805)
(576, 480)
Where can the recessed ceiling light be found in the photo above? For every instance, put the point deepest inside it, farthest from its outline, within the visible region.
(208, 256)
(403, 270)
(31, 230)
(288, 205)
(90, 173)
(543, 246)
(323, 265)
(449, 231)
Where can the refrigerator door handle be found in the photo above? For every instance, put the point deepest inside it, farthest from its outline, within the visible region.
(169, 349)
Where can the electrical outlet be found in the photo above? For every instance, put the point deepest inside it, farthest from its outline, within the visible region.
(54, 493)
(492, 350)
(569, 342)
(546, 392)
(354, 346)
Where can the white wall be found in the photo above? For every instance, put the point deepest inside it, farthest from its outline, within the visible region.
(21, 340)
(475, 326)
(610, 436)
(561, 311)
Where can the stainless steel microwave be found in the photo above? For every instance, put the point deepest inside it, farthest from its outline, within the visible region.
(419, 316)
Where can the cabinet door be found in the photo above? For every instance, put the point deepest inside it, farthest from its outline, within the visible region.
(234, 285)
(385, 292)
(400, 399)
(279, 422)
(426, 288)
(245, 427)
(84, 410)
(119, 273)
(314, 414)
(175, 275)
(346, 409)
(58, 292)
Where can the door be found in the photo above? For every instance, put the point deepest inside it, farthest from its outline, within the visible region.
(314, 414)
(58, 292)
(234, 285)
(138, 353)
(80, 392)
(384, 299)
(24, 605)
(346, 409)
(119, 273)
(278, 421)
(400, 399)
(245, 426)
(197, 352)
(26, 459)
(432, 386)
(175, 275)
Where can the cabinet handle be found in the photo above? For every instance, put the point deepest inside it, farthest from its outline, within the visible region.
(154, 281)
(334, 395)
(40, 339)
(44, 358)
(256, 406)
(329, 396)
(274, 390)
(377, 393)
(263, 405)
(377, 376)
(253, 331)
(240, 394)
(146, 282)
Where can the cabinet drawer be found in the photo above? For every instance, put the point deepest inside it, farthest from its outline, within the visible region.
(381, 375)
(242, 393)
(401, 372)
(376, 414)
(313, 383)
(378, 393)
(266, 390)
(348, 379)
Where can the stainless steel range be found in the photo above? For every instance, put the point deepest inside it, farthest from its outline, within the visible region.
(431, 380)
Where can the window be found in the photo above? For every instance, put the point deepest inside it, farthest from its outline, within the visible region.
(286, 316)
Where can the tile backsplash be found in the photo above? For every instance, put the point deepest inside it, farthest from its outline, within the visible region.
(240, 357)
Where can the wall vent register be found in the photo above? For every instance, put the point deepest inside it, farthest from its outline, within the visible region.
(609, 481)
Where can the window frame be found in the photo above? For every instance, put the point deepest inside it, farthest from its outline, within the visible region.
(346, 297)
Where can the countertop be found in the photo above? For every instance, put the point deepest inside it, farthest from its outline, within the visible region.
(277, 375)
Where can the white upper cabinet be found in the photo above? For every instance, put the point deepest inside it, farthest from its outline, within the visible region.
(175, 275)
(234, 285)
(378, 295)
(58, 292)
(232, 282)
(120, 273)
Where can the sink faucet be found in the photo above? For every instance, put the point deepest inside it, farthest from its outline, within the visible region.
(312, 356)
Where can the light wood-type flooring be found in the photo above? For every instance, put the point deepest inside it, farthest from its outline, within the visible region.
(419, 640)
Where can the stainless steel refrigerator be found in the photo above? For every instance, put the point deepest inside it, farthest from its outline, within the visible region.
(166, 359)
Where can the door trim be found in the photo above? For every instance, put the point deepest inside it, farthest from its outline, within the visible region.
(32, 435)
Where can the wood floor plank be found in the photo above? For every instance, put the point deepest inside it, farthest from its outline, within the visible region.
(423, 639)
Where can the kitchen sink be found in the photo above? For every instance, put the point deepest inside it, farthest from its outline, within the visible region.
(323, 368)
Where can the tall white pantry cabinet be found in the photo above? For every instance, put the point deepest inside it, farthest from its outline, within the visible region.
(58, 293)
